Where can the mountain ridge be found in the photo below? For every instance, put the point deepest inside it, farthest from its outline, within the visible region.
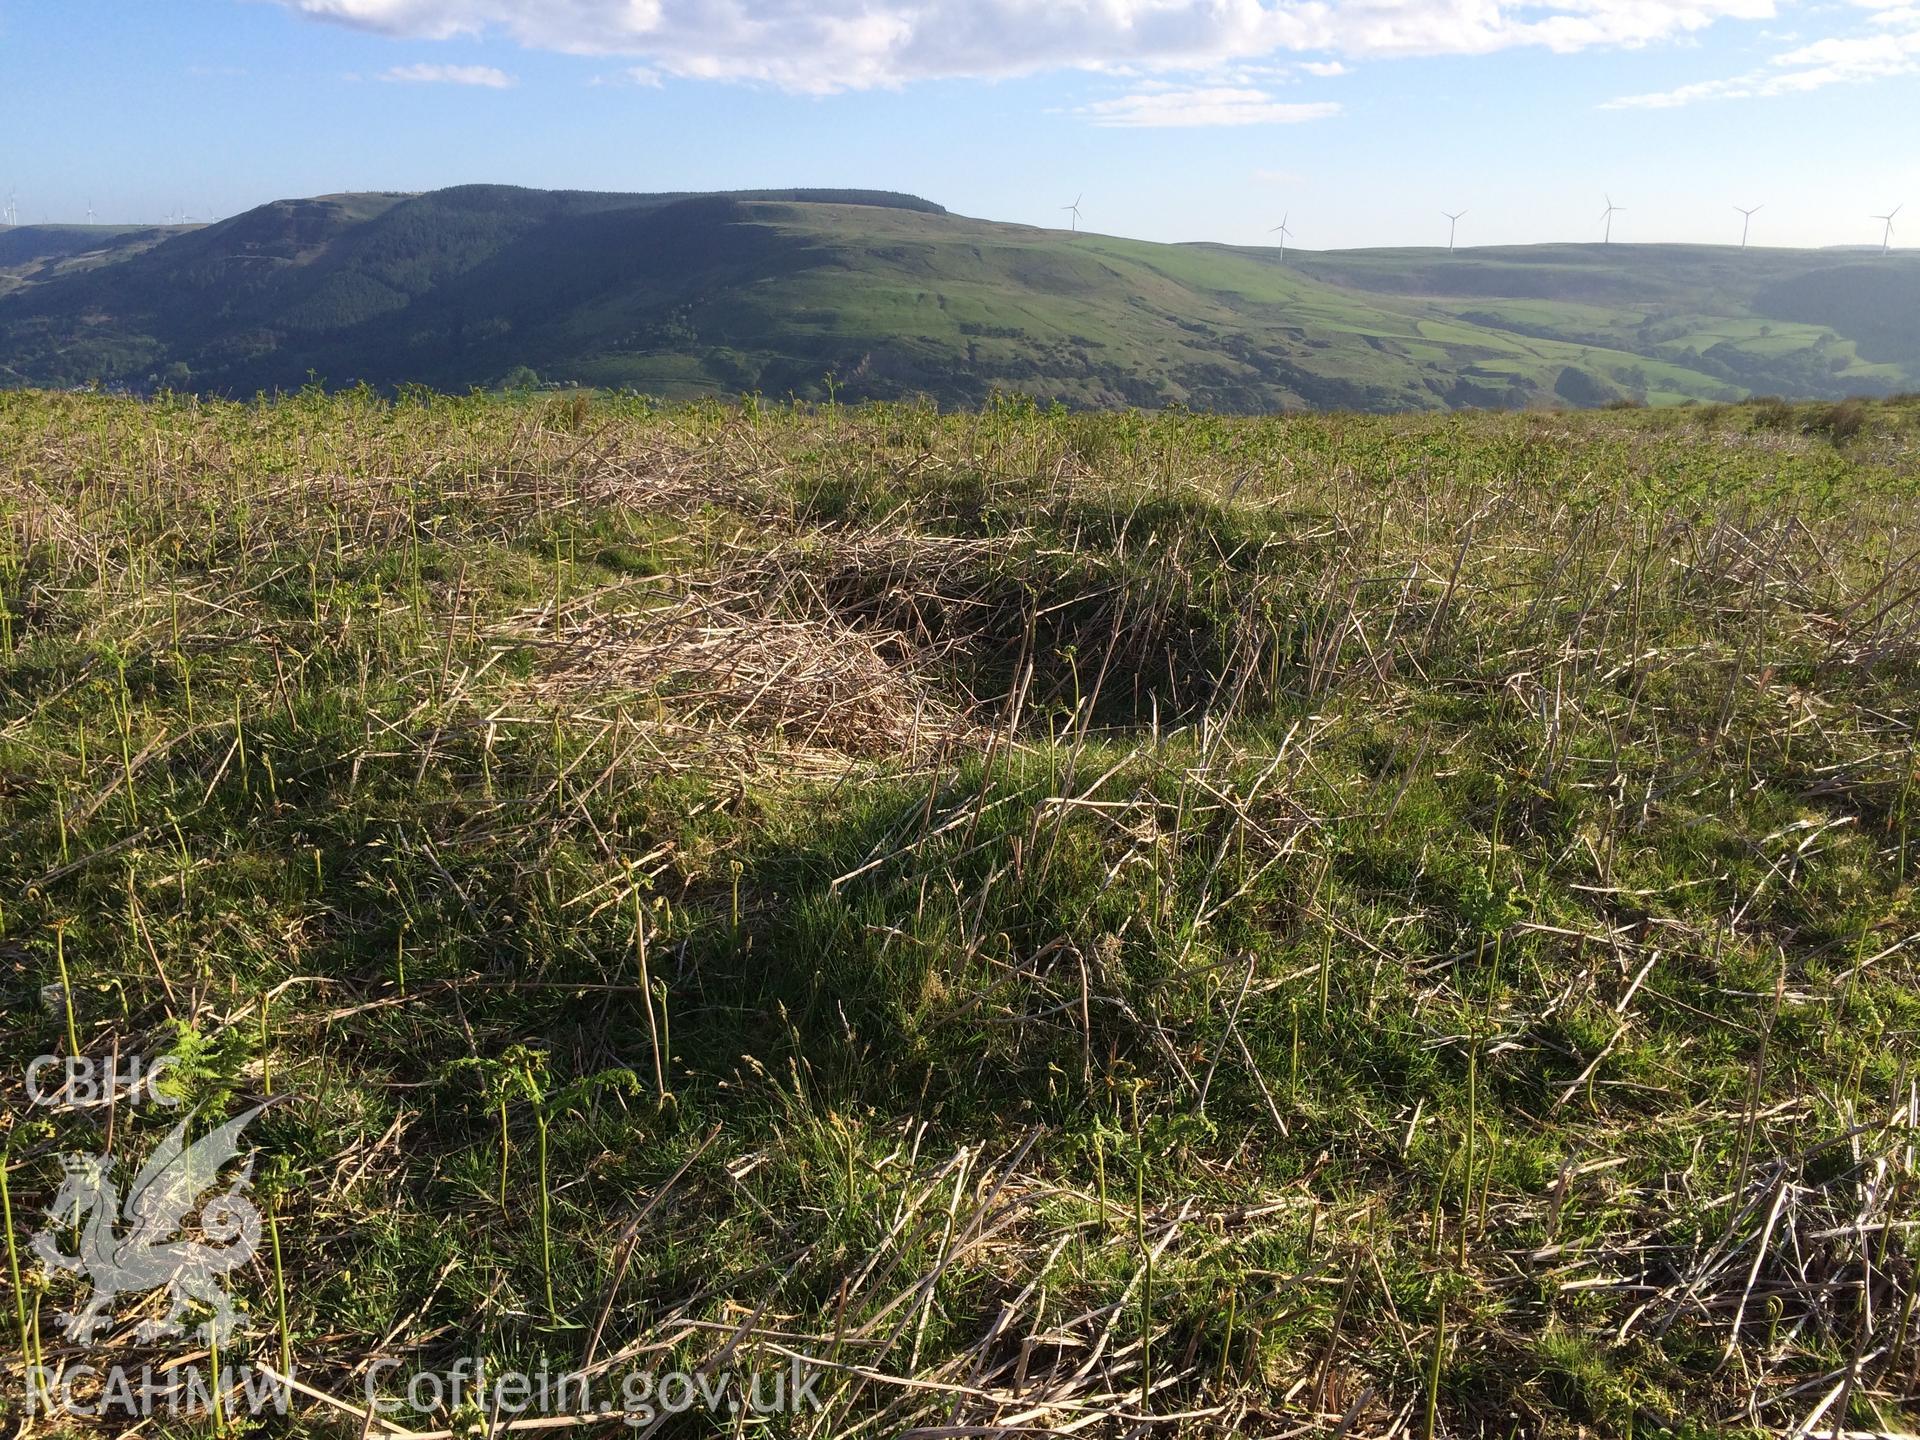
(882, 295)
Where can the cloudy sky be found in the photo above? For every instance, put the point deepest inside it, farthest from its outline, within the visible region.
(1177, 119)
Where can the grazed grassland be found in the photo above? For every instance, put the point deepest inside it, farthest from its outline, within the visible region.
(1110, 925)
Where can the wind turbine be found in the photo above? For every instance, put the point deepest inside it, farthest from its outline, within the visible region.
(1886, 243)
(89, 212)
(1074, 211)
(1284, 233)
(1453, 224)
(1748, 224)
(1607, 216)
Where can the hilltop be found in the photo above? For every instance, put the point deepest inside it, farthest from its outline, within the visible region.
(892, 296)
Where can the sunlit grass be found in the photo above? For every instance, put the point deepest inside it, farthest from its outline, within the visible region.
(1062, 919)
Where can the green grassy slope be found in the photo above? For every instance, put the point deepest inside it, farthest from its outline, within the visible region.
(1101, 925)
(891, 296)
(32, 254)
(23, 244)
(1795, 322)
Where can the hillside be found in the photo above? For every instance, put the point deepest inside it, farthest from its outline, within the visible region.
(891, 296)
(1057, 925)
(31, 254)
(1790, 322)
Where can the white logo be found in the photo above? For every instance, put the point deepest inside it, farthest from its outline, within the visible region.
(88, 1083)
(152, 1253)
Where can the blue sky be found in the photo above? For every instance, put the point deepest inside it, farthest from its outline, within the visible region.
(1178, 119)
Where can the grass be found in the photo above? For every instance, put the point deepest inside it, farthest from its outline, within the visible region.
(1101, 924)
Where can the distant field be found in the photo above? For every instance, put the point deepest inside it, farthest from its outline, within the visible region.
(1107, 925)
(34, 254)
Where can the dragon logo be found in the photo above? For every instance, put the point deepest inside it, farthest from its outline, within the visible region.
(152, 1252)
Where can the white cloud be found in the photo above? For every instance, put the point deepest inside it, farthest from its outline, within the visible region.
(1325, 69)
(821, 46)
(643, 76)
(481, 75)
(1162, 108)
(1838, 60)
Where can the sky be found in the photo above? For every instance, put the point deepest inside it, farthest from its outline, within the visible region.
(1356, 121)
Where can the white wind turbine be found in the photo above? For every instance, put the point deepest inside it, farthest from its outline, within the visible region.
(1607, 216)
(1283, 232)
(1073, 211)
(1886, 241)
(1453, 226)
(1747, 224)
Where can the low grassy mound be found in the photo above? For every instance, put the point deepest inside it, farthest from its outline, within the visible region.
(1099, 925)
